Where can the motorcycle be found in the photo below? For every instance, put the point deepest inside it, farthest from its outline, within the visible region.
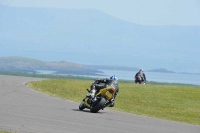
(138, 79)
(96, 102)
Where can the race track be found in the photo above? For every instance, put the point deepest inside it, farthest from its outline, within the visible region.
(26, 111)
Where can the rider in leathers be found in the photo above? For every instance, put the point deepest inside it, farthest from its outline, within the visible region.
(141, 74)
(103, 83)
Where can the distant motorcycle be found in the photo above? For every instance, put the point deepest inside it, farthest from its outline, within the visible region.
(139, 80)
(98, 101)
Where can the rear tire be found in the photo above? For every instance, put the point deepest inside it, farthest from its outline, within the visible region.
(98, 106)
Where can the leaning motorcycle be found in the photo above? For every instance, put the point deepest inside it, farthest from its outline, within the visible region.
(138, 79)
(96, 102)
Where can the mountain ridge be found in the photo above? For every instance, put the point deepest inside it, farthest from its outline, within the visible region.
(23, 64)
(95, 38)
(30, 65)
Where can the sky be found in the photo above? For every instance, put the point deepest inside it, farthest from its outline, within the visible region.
(144, 12)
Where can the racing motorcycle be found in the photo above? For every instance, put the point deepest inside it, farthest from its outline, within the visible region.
(138, 79)
(96, 102)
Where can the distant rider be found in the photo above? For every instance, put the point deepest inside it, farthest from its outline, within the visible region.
(141, 74)
(103, 83)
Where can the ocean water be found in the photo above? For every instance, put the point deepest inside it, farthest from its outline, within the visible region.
(150, 76)
(154, 76)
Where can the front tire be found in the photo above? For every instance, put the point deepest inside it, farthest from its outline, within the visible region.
(82, 106)
(98, 106)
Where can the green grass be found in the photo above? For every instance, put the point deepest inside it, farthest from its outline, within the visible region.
(48, 76)
(6, 131)
(171, 102)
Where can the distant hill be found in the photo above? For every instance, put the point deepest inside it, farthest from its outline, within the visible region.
(92, 37)
(21, 64)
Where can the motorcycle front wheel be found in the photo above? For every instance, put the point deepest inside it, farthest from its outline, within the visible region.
(99, 105)
(82, 106)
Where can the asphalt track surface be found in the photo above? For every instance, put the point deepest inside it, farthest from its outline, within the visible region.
(26, 111)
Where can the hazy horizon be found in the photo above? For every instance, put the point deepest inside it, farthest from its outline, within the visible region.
(154, 12)
(160, 36)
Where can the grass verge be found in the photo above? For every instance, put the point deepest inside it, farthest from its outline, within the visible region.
(171, 102)
(6, 131)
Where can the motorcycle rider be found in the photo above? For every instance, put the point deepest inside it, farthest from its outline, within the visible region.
(142, 75)
(103, 83)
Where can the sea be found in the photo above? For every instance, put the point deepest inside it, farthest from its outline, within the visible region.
(193, 79)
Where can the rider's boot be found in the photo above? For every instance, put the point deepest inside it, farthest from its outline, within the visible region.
(110, 103)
